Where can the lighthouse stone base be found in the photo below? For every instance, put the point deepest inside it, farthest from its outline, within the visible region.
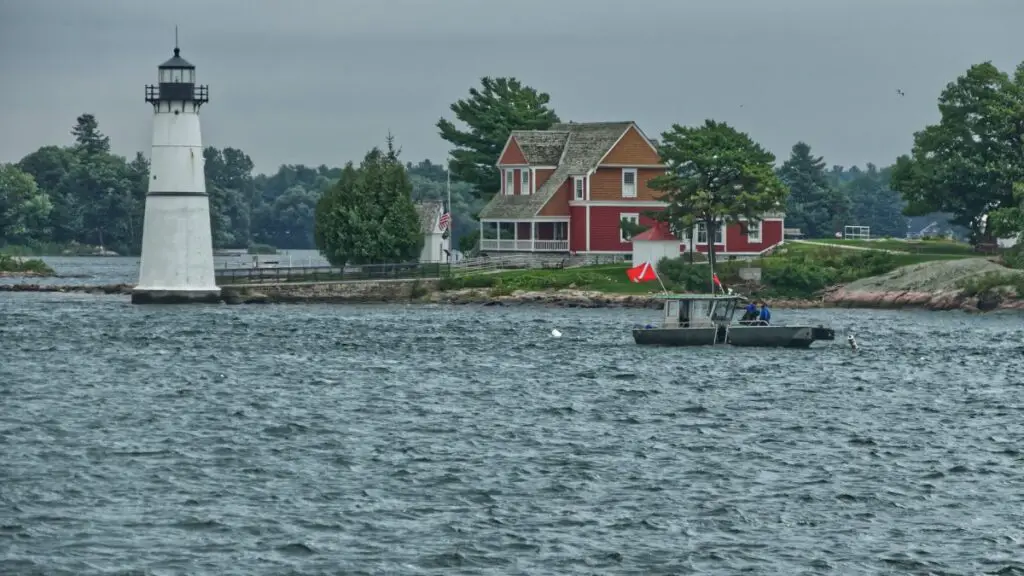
(149, 296)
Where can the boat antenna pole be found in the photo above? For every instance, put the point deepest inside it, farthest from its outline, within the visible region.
(658, 276)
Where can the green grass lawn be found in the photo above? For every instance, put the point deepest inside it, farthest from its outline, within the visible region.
(938, 247)
(610, 278)
(925, 254)
(798, 270)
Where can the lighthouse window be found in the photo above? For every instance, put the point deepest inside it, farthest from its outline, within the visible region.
(189, 76)
(165, 76)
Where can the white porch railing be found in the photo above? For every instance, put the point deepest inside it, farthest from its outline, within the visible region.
(524, 245)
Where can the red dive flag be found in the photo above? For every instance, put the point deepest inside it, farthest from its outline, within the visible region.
(445, 220)
(642, 273)
(714, 278)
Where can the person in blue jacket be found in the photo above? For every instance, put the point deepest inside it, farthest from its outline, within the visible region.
(766, 315)
(750, 314)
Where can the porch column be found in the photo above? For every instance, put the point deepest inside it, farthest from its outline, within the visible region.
(481, 236)
(515, 235)
(533, 236)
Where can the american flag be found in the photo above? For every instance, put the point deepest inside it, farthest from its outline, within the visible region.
(446, 219)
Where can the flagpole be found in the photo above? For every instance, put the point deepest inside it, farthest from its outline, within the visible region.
(451, 219)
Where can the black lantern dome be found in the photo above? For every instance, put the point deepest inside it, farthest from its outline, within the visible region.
(176, 83)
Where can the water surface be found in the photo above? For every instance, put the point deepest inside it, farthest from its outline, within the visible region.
(314, 439)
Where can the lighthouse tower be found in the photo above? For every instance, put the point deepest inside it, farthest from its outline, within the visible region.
(177, 249)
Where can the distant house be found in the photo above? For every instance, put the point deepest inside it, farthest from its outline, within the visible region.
(567, 188)
(434, 223)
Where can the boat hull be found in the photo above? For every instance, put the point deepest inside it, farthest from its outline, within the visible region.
(679, 336)
(779, 336)
(751, 336)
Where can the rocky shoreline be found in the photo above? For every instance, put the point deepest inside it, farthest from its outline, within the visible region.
(838, 297)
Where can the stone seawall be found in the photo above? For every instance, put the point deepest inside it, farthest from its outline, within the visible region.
(428, 291)
(332, 292)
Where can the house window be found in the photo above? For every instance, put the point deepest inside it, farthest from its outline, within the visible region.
(702, 234)
(577, 186)
(561, 230)
(629, 183)
(526, 182)
(510, 182)
(634, 218)
(754, 232)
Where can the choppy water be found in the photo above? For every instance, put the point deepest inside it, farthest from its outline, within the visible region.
(415, 440)
(100, 270)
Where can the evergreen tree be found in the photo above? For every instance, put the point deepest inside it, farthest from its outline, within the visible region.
(491, 115)
(88, 138)
(368, 216)
(816, 207)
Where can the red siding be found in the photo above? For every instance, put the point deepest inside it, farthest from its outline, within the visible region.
(605, 228)
(604, 232)
(558, 205)
(516, 179)
(736, 240)
(577, 229)
(513, 154)
(771, 234)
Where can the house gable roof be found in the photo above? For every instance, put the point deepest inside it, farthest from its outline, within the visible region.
(657, 233)
(429, 213)
(579, 148)
(512, 153)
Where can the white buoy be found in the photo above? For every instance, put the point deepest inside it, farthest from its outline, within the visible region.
(852, 342)
(555, 333)
(177, 248)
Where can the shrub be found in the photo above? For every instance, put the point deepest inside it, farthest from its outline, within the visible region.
(1014, 257)
(990, 282)
(11, 264)
(261, 249)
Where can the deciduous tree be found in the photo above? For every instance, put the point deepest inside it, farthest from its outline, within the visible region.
(968, 163)
(23, 206)
(716, 175)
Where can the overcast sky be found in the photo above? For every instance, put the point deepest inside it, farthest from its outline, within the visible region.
(321, 81)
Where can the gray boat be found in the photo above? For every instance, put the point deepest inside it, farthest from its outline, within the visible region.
(707, 320)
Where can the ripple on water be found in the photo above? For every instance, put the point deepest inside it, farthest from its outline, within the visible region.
(369, 439)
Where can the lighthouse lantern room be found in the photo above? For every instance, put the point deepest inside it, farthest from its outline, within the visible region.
(177, 249)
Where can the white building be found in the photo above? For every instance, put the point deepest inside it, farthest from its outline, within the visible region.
(434, 224)
(654, 244)
(177, 249)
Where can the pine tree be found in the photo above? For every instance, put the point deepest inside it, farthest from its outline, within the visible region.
(491, 115)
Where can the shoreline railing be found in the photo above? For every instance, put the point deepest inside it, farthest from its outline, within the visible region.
(291, 274)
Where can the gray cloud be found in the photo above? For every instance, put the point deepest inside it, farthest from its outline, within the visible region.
(320, 81)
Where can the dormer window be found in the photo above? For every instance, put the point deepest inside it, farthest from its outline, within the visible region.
(525, 188)
(510, 182)
(579, 191)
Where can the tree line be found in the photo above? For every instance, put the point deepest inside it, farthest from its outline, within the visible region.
(964, 173)
(78, 197)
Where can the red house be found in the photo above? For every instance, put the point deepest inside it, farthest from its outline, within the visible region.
(566, 190)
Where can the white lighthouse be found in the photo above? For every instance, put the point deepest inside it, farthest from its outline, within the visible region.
(177, 249)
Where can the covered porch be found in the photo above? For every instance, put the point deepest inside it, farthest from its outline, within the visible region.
(536, 235)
